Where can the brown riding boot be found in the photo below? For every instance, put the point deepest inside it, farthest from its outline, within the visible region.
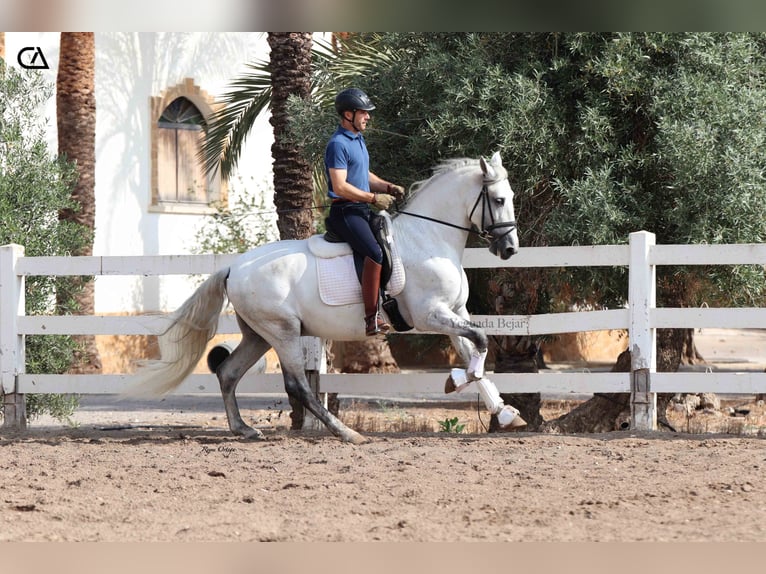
(373, 322)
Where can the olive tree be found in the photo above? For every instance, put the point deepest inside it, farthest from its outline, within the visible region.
(603, 134)
(34, 186)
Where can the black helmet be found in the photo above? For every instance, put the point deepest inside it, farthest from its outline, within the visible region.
(352, 99)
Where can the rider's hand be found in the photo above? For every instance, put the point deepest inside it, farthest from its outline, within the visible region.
(396, 190)
(383, 201)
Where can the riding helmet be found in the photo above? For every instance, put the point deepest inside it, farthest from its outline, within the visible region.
(352, 99)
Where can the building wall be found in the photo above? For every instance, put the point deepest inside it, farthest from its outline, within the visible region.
(131, 68)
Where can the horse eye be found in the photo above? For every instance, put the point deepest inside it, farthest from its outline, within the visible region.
(500, 201)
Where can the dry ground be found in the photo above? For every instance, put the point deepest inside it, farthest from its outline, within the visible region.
(173, 472)
(180, 476)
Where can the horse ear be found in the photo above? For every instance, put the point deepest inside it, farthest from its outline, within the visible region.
(489, 171)
(496, 161)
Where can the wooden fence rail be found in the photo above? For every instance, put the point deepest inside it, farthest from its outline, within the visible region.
(640, 318)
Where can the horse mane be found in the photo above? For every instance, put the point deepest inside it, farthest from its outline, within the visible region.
(443, 167)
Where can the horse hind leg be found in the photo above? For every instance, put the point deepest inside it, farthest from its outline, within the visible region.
(297, 386)
(230, 372)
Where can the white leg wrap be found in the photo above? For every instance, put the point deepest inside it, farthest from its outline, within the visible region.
(490, 395)
(476, 366)
(459, 379)
(507, 415)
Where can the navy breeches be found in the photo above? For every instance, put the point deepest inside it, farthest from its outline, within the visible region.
(351, 221)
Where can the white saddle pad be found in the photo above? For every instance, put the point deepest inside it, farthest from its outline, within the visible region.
(338, 283)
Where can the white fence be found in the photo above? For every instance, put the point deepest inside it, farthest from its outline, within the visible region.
(641, 318)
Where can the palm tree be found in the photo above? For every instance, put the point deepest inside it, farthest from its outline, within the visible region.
(76, 122)
(289, 72)
(290, 75)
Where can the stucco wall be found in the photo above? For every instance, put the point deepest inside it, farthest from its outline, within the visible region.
(131, 68)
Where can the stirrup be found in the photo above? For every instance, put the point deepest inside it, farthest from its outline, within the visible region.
(375, 325)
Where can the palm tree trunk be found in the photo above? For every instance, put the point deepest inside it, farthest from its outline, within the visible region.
(290, 75)
(76, 122)
(290, 63)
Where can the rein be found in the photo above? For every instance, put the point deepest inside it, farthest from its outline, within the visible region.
(485, 232)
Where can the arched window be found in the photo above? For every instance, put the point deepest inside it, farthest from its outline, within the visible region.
(179, 180)
(181, 176)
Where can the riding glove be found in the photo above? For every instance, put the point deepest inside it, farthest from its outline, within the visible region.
(396, 190)
(382, 201)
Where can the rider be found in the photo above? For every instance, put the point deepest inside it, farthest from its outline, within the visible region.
(352, 189)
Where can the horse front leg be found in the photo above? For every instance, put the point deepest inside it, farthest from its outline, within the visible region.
(472, 344)
(297, 386)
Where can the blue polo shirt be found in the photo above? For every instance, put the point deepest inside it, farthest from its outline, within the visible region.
(347, 150)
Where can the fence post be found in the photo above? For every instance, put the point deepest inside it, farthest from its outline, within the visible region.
(643, 338)
(12, 358)
(315, 363)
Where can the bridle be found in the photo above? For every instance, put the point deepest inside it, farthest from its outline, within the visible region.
(486, 231)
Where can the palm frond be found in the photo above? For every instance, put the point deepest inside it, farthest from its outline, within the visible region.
(228, 128)
(250, 94)
(355, 57)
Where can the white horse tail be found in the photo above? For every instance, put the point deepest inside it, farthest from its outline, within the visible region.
(183, 343)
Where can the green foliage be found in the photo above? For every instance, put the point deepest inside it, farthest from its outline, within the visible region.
(242, 225)
(34, 187)
(451, 426)
(227, 131)
(60, 407)
(603, 134)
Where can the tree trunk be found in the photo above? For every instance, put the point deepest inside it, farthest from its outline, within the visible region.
(290, 75)
(606, 412)
(290, 63)
(517, 292)
(76, 122)
(690, 354)
(372, 355)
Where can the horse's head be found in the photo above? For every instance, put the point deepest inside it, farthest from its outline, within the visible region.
(493, 211)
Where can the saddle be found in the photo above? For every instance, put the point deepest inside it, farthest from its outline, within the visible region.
(336, 269)
(380, 229)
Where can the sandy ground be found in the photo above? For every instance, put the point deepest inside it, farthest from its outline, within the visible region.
(171, 471)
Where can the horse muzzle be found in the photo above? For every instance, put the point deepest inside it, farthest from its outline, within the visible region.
(505, 252)
(505, 244)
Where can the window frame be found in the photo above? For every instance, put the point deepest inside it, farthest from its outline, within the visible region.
(207, 107)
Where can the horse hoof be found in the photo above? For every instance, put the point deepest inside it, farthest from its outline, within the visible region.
(355, 438)
(252, 434)
(509, 419)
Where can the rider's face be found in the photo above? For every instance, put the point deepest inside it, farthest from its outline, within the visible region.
(362, 117)
(358, 119)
